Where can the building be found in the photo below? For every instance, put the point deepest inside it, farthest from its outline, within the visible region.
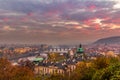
(80, 52)
(57, 50)
(48, 68)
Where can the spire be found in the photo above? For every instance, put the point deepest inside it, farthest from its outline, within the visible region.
(80, 46)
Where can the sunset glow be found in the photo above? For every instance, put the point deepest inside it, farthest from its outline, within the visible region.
(58, 21)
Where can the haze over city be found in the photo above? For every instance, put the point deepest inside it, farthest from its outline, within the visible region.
(58, 21)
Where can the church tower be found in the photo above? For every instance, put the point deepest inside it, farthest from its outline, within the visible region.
(80, 52)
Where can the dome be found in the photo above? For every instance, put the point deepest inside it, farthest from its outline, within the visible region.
(80, 50)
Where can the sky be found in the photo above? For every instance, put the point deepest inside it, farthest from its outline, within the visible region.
(58, 21)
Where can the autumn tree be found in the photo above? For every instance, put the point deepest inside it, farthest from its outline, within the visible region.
(55, 77)
(10, 72)
(55, 57)
(23, 73)
(6, 69)
(110, 73)
(101, 62)
(82, 72)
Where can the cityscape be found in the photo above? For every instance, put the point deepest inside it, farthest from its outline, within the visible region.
(59, 40)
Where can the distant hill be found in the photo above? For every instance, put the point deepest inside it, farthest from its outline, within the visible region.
(109, 40)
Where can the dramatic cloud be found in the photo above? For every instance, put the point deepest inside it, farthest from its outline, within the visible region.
(59, 21)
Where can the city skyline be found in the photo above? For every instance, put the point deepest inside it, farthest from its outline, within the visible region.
(58, 21)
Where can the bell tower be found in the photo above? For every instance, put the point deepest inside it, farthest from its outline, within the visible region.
(80, 52)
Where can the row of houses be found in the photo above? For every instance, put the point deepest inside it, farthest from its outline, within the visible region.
(58, 50)
(46, 68)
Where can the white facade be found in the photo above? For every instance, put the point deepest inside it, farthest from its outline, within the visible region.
(58, 50)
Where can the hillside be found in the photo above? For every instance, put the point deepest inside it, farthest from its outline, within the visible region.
(109, 40)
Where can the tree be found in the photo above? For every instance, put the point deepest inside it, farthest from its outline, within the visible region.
(54, 57)
(10, 72)
(116, 76)
(6, 69)
(23, 73)
(110, 73)
(101, 62)
(82, 72)
(55, 77)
